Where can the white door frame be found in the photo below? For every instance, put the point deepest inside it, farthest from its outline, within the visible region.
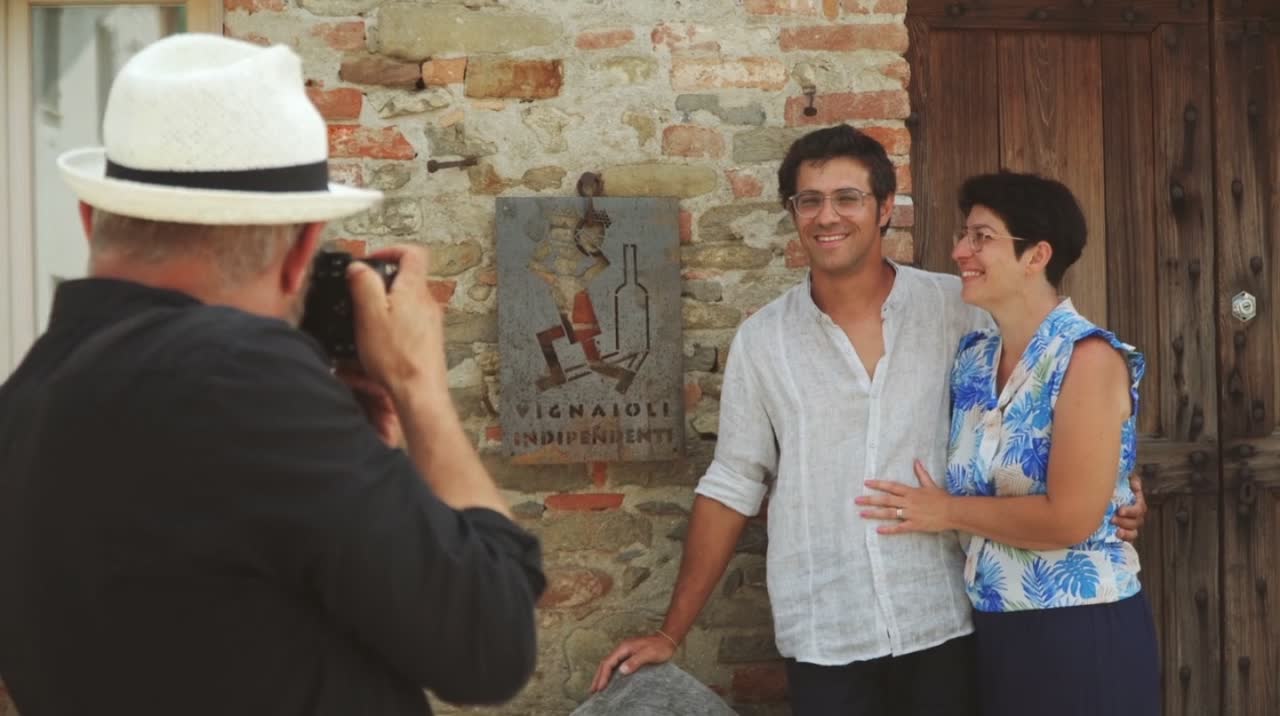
(18, 318)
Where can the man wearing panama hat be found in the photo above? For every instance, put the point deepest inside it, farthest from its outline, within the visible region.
(196, 517)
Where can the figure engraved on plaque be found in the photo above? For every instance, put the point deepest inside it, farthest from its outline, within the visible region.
(568, 259)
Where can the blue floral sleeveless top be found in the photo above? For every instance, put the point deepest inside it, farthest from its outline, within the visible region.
(999, 446)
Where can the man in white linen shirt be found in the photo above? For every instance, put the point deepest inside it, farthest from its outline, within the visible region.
(843, 378)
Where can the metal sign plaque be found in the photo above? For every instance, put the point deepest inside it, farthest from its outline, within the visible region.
(590, 329)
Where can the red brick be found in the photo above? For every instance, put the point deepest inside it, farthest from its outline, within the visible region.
(355, 247)
(516, 79)
(683, 140)
(349, 173)
(338, 104)
(842, 106)
(252, 6)
(599, 473)
(370, 70)
(692, 394)
(845, 38)
(896, 140)
(349, 140)
(341, 35)
(796, 256)
(437, 73)
(744, 185)
(904, 216)
(899, 70)
(877, 7)
(585, 502)
(760, 684)
(904, 178)
(574, 587)
(253, 37)
(604, 39)
(684, 37)
(686, 227)
(442, 291)
(783, 7)
(701, 73)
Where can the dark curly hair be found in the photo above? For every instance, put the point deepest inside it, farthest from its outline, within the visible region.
(839, 141)
(1033, 208)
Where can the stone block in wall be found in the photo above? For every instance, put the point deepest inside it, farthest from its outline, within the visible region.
(768, 144)
(395, 216)
(750, 114)
(693, 142)
(585, 531)
(570, 587)
(727, 257)
(709, 315)
(467, 327)
(699, 72)
(621, 71)
(513, 79)
(455, 140)
(453, 259)
(399, 104)
(660, 180)
(718, 224)
(448, 71)
(414, 31)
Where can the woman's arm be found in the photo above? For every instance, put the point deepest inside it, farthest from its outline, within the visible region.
(1083, 457)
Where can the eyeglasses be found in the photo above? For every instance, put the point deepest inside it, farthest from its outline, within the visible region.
(846, 202)
(976, 239)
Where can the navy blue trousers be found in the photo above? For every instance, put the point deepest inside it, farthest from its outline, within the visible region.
(1095, 660)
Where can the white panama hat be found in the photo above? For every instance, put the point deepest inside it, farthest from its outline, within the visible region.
(203, 129)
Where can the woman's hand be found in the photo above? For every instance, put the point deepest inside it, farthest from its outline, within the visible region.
(912, 509)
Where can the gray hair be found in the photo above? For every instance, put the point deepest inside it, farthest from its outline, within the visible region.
(238, 252)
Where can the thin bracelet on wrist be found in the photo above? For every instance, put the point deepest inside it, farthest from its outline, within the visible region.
(674, 643)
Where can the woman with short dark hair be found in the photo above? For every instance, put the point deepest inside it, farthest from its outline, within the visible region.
(1043, 439)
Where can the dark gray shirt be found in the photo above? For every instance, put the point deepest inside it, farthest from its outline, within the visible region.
(195, 518)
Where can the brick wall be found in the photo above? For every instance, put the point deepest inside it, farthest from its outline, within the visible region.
(696, 99)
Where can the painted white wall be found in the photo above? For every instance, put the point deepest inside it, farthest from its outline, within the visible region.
(68, 100)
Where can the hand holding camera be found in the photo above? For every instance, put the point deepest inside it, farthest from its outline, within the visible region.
(399, 333)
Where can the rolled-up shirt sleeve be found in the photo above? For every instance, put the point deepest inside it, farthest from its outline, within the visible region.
(746, 448)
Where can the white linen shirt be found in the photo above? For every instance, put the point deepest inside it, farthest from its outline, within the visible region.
(797, 403)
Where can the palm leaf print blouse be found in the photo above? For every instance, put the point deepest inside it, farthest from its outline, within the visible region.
(999, 447)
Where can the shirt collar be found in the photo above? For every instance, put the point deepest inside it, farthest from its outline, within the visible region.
(107, 298)
(895, 299)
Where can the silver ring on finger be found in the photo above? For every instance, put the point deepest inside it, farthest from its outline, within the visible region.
(899, 514)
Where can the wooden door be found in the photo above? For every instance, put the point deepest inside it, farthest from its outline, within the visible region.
(1163, 116)
(1246, 41)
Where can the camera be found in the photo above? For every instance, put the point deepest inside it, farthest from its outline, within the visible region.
(329, 314)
